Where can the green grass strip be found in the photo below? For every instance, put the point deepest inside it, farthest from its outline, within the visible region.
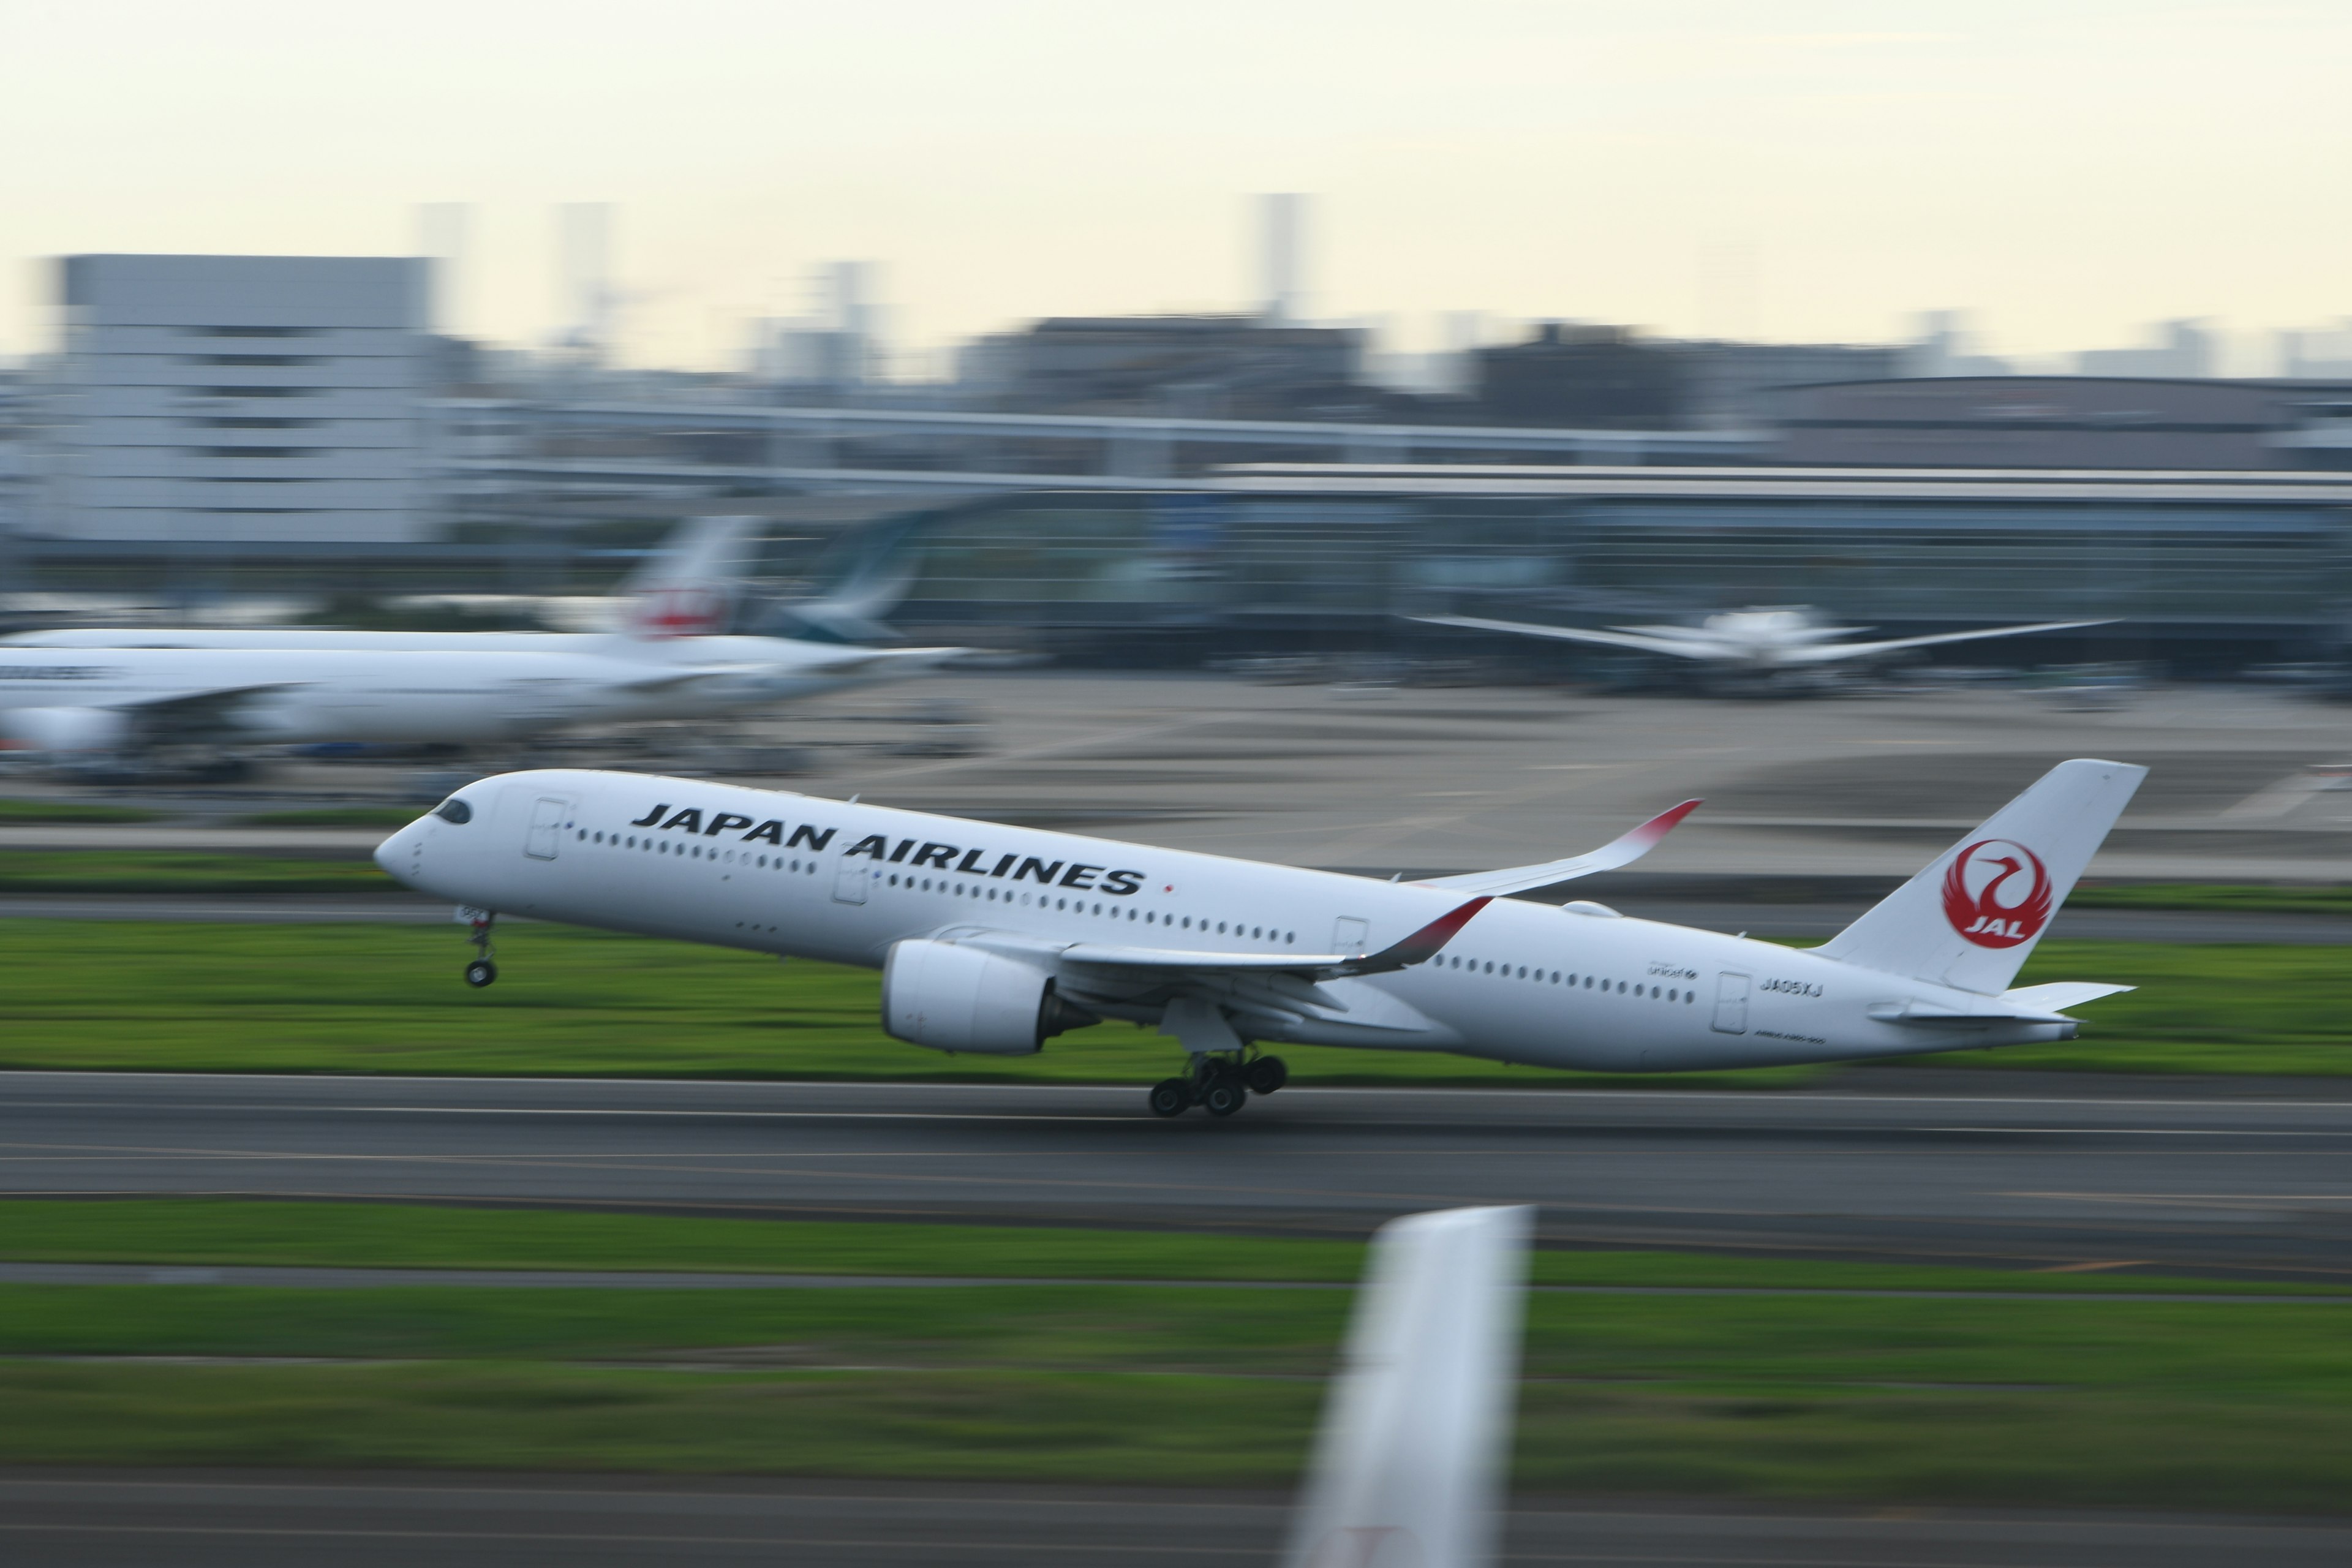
(388, 999)
(2115, 1403)
(2217, 897)
(177, 871)
(69, 811)
(220, 1231)
(384, 817)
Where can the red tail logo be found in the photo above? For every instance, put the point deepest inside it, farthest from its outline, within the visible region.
(1985, 899)
(682, 612)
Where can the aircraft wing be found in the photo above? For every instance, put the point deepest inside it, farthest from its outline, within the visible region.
(1420, 947)
(1620, 851)
(1683, 648)
(195, 713)
(1835, 651)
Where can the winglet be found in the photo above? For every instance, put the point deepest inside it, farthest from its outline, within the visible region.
(1645, 838)
(1422, 944)
(1623, 850)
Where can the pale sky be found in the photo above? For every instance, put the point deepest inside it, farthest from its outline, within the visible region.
(1796, 170)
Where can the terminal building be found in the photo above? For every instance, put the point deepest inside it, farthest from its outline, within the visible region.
(237, 400)
(2203, 570)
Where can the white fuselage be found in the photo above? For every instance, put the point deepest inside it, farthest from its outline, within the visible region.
(790, 874)
(782, 652)
(286, 695)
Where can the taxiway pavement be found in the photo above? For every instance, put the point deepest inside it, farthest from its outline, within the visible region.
(2242, 1179)
(260, 1519)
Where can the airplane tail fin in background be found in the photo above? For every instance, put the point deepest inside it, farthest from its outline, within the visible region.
(1416, 1429)
(1971, 918)
(690, 589)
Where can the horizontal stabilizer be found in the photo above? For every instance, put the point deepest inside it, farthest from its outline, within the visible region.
(2061, 994)
(1623, 852)
(2026, 1005)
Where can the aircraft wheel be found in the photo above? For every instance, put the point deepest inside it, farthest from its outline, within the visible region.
(1265, 1075)
(1223, 1096)
(1170, 1096)
(480, 973)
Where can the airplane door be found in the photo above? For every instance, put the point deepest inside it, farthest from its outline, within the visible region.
(849, 884)
(1348, 934)
(1730, 1003)
(547, 814)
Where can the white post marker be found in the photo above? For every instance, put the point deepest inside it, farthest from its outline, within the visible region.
(1416, 1433)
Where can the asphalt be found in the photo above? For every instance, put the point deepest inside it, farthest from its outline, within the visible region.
(246, 1519)
(2247, 1181)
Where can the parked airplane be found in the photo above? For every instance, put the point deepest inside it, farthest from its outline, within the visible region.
(1759, 641)
(994, 938)
(678, 605)
(220, 688)
(131, 700)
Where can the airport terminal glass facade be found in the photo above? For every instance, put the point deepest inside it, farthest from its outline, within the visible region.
(2259, 571)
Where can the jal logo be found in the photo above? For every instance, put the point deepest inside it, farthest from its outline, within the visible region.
(683, 612)
(1997, 893)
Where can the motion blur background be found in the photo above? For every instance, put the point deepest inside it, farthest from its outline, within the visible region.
(1179, 359)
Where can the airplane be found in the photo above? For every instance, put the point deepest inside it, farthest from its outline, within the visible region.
(1416, 1438)
(994, 938)
(1752, 641)
(66, 702)
(131, 691)
(678, 606)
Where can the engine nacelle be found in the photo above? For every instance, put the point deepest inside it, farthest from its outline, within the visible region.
(67, 728)
(954, 998)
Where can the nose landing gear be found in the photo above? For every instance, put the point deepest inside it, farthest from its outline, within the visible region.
(1219, 1084)
(484, 969)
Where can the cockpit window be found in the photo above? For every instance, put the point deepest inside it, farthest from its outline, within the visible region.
(453, 810)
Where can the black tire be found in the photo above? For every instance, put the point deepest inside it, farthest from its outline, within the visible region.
(1223, 1096)
(1265, 1075)
(1170, 1096)
(480, 973)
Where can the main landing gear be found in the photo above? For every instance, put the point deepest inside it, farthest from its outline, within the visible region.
(1220, 1084)
(484, 968)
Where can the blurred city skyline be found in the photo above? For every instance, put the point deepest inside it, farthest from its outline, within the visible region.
(1824, 175)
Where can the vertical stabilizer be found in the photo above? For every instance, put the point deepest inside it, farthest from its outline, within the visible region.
(689, 590)
(1972, 917)
(1417, 1426)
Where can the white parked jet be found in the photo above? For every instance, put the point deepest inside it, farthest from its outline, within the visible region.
(674, 608)
(994, 938)
(1761, 641)
(130, 700)
(132, 691)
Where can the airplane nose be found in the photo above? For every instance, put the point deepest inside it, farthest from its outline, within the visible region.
(392, 851)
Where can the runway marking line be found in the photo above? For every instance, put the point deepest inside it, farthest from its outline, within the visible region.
(2094, 1268)
(2208, 1199)
(2023, 1131)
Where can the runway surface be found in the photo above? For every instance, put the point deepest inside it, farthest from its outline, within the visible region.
(2175, 1178)
(199, 1519)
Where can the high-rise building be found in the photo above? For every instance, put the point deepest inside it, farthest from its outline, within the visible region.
(238, 399)
(1283, 259)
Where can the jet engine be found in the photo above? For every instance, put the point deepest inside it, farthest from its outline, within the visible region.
(955, 998)
(67, 728)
